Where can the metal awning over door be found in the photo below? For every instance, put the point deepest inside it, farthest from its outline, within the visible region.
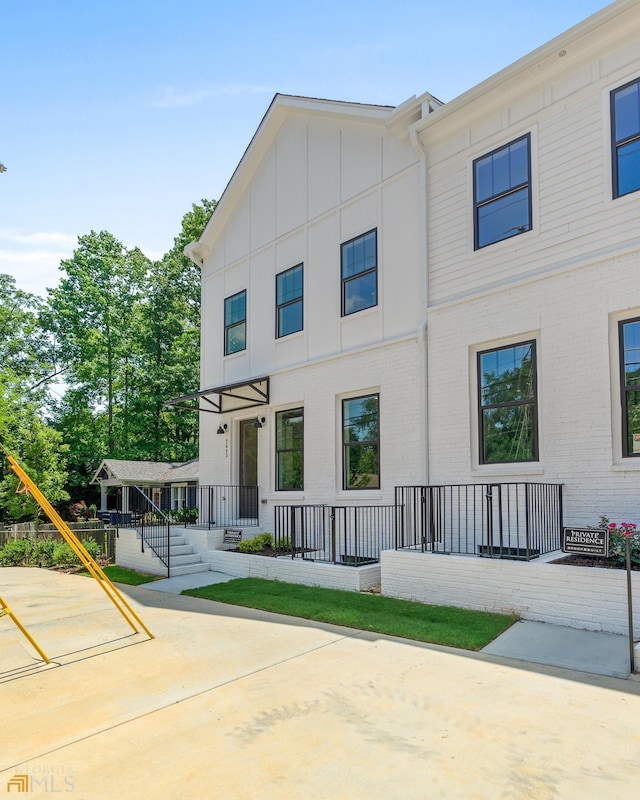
(223, 399)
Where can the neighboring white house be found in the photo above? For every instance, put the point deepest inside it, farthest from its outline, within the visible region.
(435, 294)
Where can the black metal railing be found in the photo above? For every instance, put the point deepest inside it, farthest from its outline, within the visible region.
(349, 535)
(153, 525)
(494, 520)
(218, 507)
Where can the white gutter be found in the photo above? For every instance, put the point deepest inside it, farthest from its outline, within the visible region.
(421, 333)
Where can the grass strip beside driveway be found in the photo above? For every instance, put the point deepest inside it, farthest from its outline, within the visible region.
(124, 575)
(454, 627)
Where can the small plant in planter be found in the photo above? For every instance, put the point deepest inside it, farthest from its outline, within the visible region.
(619, 533)
(263, 541)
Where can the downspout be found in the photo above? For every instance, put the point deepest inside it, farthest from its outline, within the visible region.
(421, 333)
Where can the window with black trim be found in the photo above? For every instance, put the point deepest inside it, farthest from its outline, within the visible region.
(289, 301)
(359, 271)
(235, 323)
(502, 193)
(508, 416)
(625, 136)
(290, 449)
(629, 332)
(361, 442)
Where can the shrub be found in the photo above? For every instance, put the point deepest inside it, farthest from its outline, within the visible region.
(618, 536)
(283, 543)
(16, 552)
(43, 552)
(255, 545)
(93, 511)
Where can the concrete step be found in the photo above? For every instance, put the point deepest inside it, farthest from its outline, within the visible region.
(188, 569)
(188, 558)
(181, 549)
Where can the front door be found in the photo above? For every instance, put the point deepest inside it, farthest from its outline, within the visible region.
(248, 470)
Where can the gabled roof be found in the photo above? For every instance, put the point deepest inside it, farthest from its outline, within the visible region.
(146, 471)
(281, 107)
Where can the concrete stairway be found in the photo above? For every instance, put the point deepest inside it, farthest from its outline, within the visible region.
(184, 560)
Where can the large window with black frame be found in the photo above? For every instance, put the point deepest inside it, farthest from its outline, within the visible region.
(290, 450)
(235, 323)
(625, 135)
(359, 273)
(502, 193)
(289, 301)
(629, 331)
(508, 419)
(361, 442)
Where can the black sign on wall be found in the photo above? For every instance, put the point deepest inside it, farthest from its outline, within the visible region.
(586, 541)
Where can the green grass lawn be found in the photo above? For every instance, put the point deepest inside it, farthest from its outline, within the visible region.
(124, 575)
(455, 627)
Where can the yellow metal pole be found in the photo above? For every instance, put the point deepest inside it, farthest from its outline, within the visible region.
(5, 610)
(94, 569)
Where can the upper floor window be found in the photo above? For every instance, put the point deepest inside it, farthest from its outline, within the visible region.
(508, 404)
(290, 449)
(630, 386)
(625, 133)
(361, 442)
(359, 269)
(289, 301)
(235, 323)
(502, 193)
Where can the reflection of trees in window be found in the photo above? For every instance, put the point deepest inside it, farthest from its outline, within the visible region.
(361, 443)
(235, 323)
(630, 388)
(508, 414)
(359, 270)
(289, 449)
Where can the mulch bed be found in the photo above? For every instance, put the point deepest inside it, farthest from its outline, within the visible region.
(591, 561)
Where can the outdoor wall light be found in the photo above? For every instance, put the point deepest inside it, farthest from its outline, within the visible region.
(221, 429)
(259, 422)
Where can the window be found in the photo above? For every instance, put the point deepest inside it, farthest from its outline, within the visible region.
(625, 134)
(359, 267)
(290, 449)
(289, 301)
(508, 413)
(630, 386)
(502, 193)
(361, 443)
(235, 323)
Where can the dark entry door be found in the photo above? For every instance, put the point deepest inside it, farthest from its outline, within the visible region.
(248, 470)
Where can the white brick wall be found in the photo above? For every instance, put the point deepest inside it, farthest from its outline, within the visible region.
(579, 597)
(328, 576)
(129, 554)
(390, 370)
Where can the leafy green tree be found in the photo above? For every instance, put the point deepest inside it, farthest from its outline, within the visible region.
(26, 362)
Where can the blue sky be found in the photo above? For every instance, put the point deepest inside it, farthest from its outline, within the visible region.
(119, 115)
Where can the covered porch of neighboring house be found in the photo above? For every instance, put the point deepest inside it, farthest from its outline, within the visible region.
(171, 487)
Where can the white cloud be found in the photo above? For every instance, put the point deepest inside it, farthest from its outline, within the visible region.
(171, 97)
(63, 240)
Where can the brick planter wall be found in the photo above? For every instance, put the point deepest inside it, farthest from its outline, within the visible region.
(309, 573)
(580, 597)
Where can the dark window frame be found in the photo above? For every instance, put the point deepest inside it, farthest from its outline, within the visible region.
(367, 443)
(280, 450)
(616, 144)
(352, 278)
(229, 326)
(624, 389)
(288, 303)
(532, 402)
(500, 195)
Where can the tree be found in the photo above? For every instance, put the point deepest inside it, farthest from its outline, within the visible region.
(25, 363)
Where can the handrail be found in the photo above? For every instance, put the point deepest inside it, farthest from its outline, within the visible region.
(156, 533)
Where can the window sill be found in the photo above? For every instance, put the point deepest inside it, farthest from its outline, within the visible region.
(525, 468)
(628, 465)
(374, 495)
(289, 336)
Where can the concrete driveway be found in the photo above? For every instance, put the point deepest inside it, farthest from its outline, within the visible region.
(233, 703)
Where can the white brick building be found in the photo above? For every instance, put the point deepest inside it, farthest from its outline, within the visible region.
(376, 264)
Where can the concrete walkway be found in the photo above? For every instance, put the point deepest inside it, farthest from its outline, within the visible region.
(234, 703)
